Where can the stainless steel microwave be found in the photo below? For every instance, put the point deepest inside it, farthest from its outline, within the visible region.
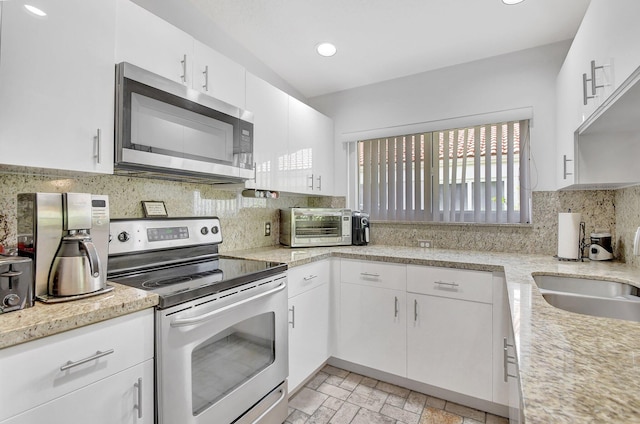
(167, 130)
(307, 227)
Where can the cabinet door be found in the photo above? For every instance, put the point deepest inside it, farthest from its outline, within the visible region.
(56, 85)
(301, 146)
(449, 344)
(308, 333)
(217, 75)
(373, 328)
(124, 398)
(270, 107)
(149, 42)
(323, 165)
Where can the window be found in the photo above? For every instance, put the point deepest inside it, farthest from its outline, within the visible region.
(476, 174)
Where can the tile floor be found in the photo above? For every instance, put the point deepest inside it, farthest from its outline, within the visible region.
(336, 396)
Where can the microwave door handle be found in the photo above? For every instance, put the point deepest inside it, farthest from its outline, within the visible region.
(182, 322)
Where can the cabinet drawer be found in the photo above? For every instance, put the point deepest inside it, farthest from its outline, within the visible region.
(306, 277)
(461, 284)
(376, 274)
(34, 368)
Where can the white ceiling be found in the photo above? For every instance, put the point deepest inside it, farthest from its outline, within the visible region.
(378, 40)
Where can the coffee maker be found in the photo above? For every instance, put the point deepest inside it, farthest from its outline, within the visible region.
(359, 228)
(67, 237)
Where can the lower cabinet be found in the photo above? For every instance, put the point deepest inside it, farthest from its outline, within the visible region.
(124, 398)
(100, 373)
(373, 329)
(449, 344)
(308, 320)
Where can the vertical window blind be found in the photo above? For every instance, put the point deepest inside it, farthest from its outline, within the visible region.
(476, 174)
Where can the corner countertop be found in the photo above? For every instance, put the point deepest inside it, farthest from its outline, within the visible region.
(573, 368)
(43, 320)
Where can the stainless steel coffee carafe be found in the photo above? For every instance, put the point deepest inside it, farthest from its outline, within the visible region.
(76, 268)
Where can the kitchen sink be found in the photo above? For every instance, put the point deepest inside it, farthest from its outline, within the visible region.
(602, 298)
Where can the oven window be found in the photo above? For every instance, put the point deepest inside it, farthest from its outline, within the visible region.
(231, 358)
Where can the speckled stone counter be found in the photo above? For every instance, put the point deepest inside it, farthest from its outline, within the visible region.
(43, 320)
(573, 368)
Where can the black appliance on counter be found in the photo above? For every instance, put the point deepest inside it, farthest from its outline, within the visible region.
(359, 228)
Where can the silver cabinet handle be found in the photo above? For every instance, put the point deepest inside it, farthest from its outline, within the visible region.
(319, 182)
(443, 283)
(184, 68)
(98, 139)
(310, 178)
(98, 355)
(369, 274)
(293, 316)
(395, 307)
(310, 277)
(594, 86)
(138, 406)
(415, 310)
(206, 78)
(585, 96)
(565, 166)
(507, 359)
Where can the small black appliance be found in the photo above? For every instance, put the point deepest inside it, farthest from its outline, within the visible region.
(359, 228)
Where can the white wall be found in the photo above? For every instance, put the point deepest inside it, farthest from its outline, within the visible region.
(524, 79)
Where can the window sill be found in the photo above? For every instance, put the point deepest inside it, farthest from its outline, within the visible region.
(452, 224)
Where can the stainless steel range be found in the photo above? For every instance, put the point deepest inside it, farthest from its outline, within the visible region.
(221, 324)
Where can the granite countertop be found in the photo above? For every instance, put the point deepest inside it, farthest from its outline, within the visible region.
(43, 320)
(573, 368)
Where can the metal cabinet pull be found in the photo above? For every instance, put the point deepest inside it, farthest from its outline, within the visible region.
(293, 316)
(443, 283)
(565, 160)
(98, 140)
(184, 68)
(98, 355)
(319, 182)
(395, 307)
(594, 86)
(507, 359)
(310, 277)
(206, 78)
(138, 406)
(415, 310)
(585, 96)
(310, 178)
(369, 274)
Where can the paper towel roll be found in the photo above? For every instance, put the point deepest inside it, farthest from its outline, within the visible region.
(569, 235)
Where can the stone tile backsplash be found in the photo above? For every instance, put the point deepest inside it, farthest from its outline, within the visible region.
(243, 218)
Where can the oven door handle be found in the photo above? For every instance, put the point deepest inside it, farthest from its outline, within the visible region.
(178, 322)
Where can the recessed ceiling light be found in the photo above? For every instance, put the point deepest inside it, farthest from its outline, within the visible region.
(35, 10)
(326, 49)
(512, 1)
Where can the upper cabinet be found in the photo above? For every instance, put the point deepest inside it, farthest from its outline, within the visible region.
(57, 85)
(293, 143)
(152, 43)
(598, 68)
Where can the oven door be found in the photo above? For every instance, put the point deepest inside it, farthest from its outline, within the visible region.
(220, 355)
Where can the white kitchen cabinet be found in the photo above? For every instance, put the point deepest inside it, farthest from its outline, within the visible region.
(57, 84)
(96, 368)
(607, 35)
(502, 365)
(151, 43)
(116, 399)
(270, 107)
(308, 320)
(449, 336)
(217, 75)
(373, 326)
(310, 149)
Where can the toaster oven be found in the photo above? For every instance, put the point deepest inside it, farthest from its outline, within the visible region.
(309, 227)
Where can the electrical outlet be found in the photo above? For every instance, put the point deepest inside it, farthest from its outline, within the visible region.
(425, 243)
(267, 229)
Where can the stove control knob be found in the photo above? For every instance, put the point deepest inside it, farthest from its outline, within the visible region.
(204, 231)
(11, 300)
(214, 230)
(123, 236)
